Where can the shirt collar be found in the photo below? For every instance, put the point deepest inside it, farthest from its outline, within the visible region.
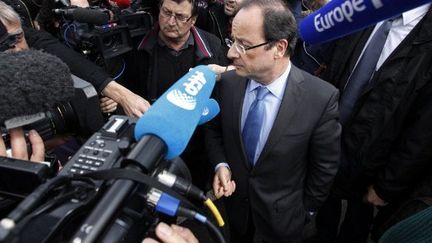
(277, 87)
(189, 42)
(202, 50)
(413, 14)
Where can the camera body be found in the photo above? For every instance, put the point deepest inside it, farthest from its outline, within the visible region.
(86, 33)
(81, 116)
(63, 210)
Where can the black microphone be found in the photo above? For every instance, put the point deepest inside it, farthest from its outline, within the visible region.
(85, 15)
(32, 82)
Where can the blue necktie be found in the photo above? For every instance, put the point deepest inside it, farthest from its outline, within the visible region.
(252, 126)
(363, 72)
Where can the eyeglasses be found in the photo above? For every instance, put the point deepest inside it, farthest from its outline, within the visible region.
(10, 40)
(242, 48)
(178, 17)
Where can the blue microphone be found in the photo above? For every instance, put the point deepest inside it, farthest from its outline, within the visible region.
(342, 17)
(175, 115)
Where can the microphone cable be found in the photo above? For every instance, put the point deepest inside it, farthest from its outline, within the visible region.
(169, 205)
(184, 186)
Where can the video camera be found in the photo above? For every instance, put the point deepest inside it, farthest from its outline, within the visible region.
(80, 116)
(117, 184)
(98, 31)
(93, 200)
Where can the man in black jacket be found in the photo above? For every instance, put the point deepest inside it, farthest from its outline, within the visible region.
(164, 55)
(386, 136)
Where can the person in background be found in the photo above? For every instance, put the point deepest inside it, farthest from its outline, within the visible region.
(132, 104)
(167, 53)
(385, 77)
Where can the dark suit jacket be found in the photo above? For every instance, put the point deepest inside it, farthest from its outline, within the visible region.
(388, 139)
(299, 160)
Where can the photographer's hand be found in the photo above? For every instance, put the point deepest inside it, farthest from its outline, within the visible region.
(107, 105)
(172, 234)
(132, 104)
(19, 146)
(80, 3)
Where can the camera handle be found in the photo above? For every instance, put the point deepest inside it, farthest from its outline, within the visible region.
(147, 153)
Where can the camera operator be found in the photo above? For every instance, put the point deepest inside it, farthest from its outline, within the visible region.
(27, 87)
(132, 104)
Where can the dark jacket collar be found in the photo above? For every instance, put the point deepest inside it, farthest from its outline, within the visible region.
(202, 47)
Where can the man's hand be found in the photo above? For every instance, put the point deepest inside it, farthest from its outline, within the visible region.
(80, 3)
(19, 146)
(132, 104)
(107, 105)
(372, 198)
(222, 183)
(172, 234)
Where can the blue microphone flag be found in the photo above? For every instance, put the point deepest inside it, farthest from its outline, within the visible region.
(175, 115)
(342, 17)
(210, 111)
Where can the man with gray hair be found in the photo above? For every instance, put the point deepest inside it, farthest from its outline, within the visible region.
(11, 33)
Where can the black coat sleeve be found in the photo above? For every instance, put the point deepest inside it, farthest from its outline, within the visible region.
(78, 64)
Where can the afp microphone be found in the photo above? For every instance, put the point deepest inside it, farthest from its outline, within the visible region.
(342, 17)
(175, 115)
(31, 82)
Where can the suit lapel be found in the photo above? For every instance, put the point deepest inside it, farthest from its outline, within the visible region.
(288, 108)
(237, 105)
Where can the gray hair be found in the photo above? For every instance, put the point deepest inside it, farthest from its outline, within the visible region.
(8, 16)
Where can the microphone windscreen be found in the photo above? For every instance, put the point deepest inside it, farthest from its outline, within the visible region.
(175, 115)
(90, 16)
(342, 17)
(210, 111)
(31, 82)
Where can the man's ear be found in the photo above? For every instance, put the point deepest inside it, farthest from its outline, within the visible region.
(193, 20)
(281, 47)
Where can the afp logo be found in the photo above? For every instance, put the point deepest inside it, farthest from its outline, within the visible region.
(187, 99)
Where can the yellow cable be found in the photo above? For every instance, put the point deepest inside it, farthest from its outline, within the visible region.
(209, 203)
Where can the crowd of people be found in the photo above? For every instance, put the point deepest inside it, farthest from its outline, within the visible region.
(302, 129)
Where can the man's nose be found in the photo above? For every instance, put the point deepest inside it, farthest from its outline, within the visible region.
(232, 53)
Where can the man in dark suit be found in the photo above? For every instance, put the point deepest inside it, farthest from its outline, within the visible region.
(386, 140)
(274, 156)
